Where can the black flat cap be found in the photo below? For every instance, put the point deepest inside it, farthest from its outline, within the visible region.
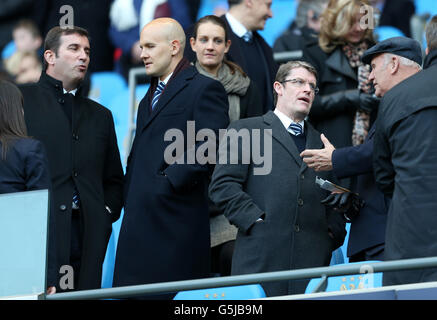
(401, 46)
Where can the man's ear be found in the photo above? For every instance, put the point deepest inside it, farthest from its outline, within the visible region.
(176, 47)
(394, 64)
(427, 50)
(50, 57)
(277, 86)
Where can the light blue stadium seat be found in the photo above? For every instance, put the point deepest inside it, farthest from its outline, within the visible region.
(426, 6)
(105, 86)
(385, 32)
(243, 292)
(284, 12)
(349, 282)
(8, 50)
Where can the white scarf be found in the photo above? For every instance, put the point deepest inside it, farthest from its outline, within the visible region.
(124, 17)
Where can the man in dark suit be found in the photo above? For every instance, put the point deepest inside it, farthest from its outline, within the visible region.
(367, 233)
(249, 50)
(164, 235)
(405, 166)
(84, 161)
(281, 223)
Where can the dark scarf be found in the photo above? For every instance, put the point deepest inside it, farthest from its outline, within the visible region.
(362, 118)
(181, 66)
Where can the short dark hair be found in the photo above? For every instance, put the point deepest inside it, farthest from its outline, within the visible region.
(285, 69)
(53, 38)
(431, 33)
(12, 123)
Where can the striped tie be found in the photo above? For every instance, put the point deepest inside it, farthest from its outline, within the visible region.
(157, 93)
(247, 37)
(296, 129)
(76, 200)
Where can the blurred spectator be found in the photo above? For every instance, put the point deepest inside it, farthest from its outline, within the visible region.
(395, 13)
(27, 37)
(304, 29)
(24, 67)
(127, 18)
(249, 49)
(10, 12)
(29, 69)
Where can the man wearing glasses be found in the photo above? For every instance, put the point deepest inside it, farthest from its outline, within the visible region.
(281, 223)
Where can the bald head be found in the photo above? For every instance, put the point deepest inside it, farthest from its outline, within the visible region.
(162, 43)
(169, 29)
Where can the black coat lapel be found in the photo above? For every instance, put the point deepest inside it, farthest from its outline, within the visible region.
(171, 90)
(337, 61)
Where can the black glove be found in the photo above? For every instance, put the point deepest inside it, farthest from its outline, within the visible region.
(368, 102)
(347, 203)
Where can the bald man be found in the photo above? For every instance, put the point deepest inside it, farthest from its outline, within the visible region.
(164, 235)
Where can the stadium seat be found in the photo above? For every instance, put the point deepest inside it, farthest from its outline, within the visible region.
(105, 86)
(426, 6)
(252, 291)
(385, 32)
(8, 50)
(284, 12)
(349, 282)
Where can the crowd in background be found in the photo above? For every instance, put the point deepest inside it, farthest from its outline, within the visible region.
(326, 34)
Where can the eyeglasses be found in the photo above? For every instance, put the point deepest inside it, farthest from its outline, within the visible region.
(300, 83)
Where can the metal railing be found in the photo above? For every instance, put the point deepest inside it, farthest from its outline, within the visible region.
(176, 286)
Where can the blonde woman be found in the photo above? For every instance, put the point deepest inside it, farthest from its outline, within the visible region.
(345, 107)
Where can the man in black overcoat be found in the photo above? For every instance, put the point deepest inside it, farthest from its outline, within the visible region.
(405, 160)
(249, 49)
(164, 235)
(84, 162)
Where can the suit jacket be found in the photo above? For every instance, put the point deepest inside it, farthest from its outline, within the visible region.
(24, 169)
(368, 228)
(294, 231)
(164, 235)
(405, 169)
(81, 152)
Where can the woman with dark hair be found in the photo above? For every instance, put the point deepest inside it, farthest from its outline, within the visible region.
(23, 162)
(210, 42)
(345, 107)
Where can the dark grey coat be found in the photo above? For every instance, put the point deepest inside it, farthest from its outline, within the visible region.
(294, 232)
(405, 165)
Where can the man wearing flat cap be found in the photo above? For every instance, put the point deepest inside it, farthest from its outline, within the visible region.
(367, 233)
(405, 164)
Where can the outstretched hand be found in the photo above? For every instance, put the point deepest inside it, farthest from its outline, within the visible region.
(319, 159)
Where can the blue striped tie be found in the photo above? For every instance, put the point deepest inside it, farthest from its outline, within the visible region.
(247, 37)
(76, 200)
(296, 128)
(157, 93)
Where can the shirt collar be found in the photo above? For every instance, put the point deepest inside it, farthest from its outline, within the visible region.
(286, 121)
(236, 26)
(166, 79)
(73, 92)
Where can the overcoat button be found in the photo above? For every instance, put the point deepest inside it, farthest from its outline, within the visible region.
(62, 207)
(300, 202)
(296, 228)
